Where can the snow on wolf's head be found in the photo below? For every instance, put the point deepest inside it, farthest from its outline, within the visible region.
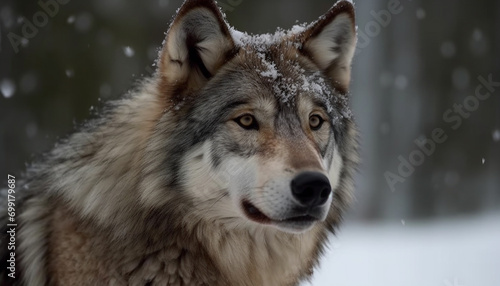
(257, 131)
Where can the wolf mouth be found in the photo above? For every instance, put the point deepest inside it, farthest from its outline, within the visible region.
(254, 214)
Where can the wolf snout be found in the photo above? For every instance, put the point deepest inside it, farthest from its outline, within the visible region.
(311, 189)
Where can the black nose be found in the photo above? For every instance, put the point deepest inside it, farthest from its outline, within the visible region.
(311, 188)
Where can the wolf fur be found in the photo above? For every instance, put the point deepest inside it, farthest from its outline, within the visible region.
(170, 187)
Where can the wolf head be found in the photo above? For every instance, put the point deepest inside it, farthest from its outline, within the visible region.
(256, 130)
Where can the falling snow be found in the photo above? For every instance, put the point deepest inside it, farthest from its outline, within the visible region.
(84, 22)
(70, 73)
(163, 3)
(421, 14)
(478, 42)
(71, 19)
(7, 16)
(477, 35)
(7, 88)
(401, 82)
(496, 135)
(128, 51)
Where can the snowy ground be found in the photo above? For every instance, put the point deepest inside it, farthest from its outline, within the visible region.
(458, 252)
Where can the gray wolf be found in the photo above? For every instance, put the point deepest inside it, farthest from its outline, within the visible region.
(229, 166)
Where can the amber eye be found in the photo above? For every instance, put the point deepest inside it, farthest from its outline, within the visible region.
(247, 122)
(316, 121)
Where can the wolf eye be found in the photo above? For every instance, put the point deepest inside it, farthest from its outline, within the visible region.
(316, 121)
(247, 122)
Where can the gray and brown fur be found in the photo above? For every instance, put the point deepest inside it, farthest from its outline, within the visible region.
(144, 195)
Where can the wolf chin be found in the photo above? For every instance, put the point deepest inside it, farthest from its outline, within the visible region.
(229, 166)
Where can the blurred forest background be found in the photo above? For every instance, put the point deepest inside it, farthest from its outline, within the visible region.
(410, 68)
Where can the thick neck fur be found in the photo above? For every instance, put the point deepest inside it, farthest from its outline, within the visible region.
(163, 253)
(100, 230)
(198, 254)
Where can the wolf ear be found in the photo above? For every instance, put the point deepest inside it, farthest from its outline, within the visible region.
(330, 43)
(198, 43)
